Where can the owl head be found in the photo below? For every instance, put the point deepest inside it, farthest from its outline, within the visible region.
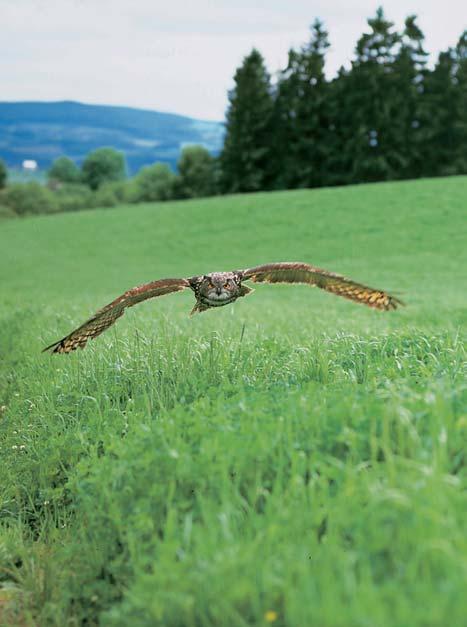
(218, 287)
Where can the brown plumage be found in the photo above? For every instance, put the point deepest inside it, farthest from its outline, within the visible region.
(222, 288)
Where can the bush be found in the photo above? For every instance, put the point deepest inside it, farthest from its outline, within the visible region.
(154, 182)
(64, 170)
(103, 165)
(74, 197)
(105, 196)
(30, 198)
(6, 212)
(120, 190)
(196, 168)
(132, 191)
(3, 174)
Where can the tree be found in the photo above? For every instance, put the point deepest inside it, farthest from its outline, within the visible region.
(196, 168)
(3, 174)
(460, 78)
(101, 166)
(30, 198)
(154, 182)
(444, 114)
(363, 115)
(64, 170)
(440, 117)
(408, 82)
(246, 158)
(302, 115)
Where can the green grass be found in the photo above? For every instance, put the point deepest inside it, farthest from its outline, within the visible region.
(293, 458)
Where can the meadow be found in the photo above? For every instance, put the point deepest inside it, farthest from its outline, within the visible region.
(293, 459)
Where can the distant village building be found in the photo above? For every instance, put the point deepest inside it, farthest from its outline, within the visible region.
(30, 165)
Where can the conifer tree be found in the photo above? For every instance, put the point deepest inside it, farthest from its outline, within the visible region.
(440, 117)
(246, 158)
(301, 112)
(363, 115)
(460, 77)
(406, 93)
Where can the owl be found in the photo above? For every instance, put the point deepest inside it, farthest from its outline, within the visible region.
(218, 289)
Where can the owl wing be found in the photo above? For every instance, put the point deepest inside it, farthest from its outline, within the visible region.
(290, 272)
(106, 316)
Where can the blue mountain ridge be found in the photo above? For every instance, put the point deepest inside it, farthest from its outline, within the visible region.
(44, 131)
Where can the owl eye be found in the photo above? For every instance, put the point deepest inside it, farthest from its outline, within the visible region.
(211, 286)
(226, 285)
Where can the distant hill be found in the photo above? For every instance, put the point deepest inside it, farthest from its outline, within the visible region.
(45, 130)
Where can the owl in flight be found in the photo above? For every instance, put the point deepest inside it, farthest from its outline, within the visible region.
(222, 288)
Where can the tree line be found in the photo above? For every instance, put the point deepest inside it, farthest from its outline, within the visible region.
(101, 181)
(387, 117)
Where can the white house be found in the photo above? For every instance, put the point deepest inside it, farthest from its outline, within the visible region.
(30, 165)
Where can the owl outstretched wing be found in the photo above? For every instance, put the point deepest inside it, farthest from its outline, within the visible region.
(106, 316)
(290, 272)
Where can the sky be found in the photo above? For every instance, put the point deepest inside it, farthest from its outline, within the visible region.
(180, 55)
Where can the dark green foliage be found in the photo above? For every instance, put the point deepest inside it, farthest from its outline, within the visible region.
(387, 117)
(30, 198)
(460, 79)
(444, 113)
(365, 118)
(3, 174)
(6, 212)
(408, 78)
(105, 196)
(247, 156)
(64, 170)
(302, 116)
(154, 182)
(438, 117)
(73, 197)
(197, 172)
(102, 166)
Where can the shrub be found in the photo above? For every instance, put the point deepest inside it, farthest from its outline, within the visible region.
(101, 166)
(132, 191)
(119, 189)
(154, 182)
(105, 196)
(3, 174)
(30, 198)
(74, 197)
(196, 168)
(6, 212)
(64, 170)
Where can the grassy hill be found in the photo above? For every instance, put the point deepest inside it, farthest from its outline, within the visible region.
(46, 130)
(293, 459)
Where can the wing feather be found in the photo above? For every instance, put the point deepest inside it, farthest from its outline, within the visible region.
(292, 272)
(106, 316)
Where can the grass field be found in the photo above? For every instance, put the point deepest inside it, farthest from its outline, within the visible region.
(294, 459)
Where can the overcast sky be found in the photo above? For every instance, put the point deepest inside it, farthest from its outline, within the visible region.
(180, 55)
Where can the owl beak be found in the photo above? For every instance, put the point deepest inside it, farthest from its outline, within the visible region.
(218, 291)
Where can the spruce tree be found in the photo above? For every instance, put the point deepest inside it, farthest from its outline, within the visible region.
(444, 113)
(440, 118)
(302, 115)
(460, 77)
(363, 113)
(408, 78)
(246, 158)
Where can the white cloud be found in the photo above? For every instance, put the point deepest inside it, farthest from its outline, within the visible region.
(174, 56)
